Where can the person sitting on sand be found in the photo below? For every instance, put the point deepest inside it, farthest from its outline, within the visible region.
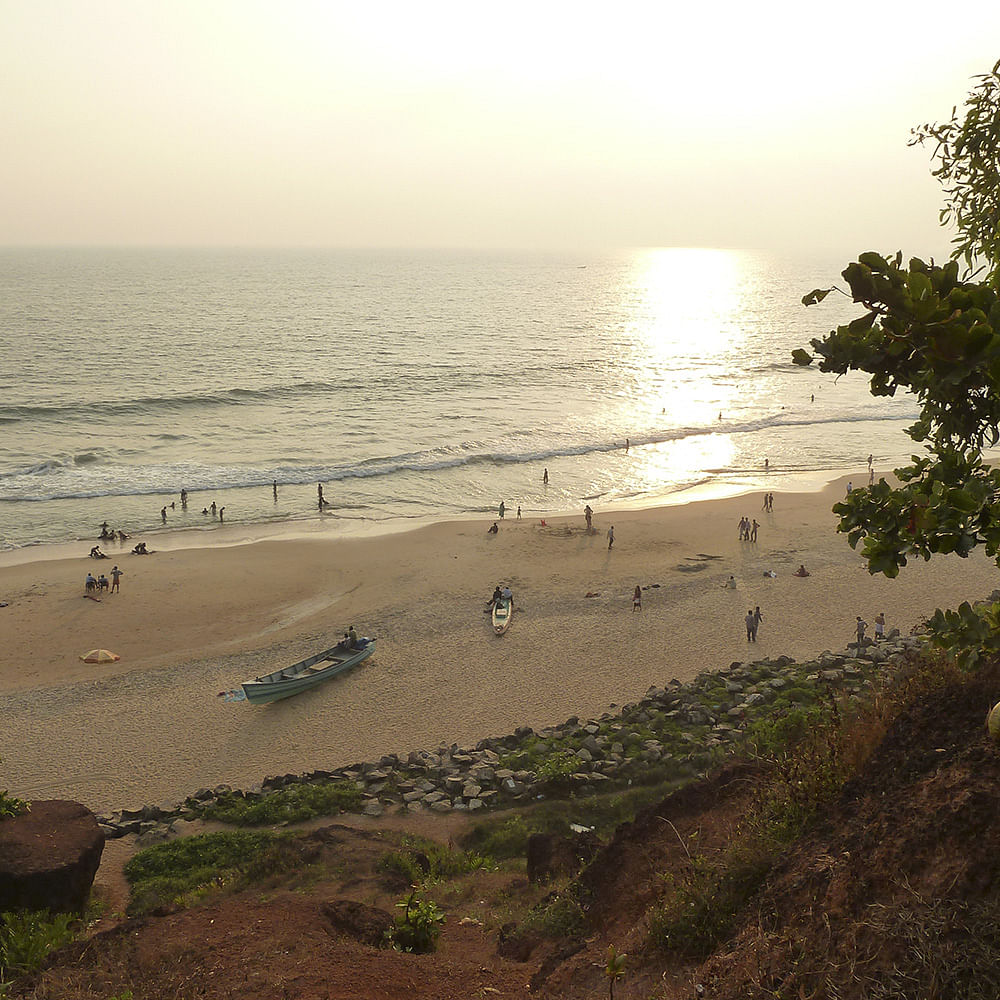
(96, 553)
(493, 529)
(731, 583)
(140, 549)
(801, 571)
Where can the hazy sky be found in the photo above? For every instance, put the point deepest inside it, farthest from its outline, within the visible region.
(365, 123)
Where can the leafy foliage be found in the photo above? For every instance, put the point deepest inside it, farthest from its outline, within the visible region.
(927, 329)
(166, 872)
(418, 926)
(969, 172)
(11, 806)
(26, 938)
(291, 804)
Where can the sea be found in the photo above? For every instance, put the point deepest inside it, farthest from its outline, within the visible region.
(410, 386)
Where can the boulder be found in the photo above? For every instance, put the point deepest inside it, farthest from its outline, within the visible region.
(49, 857)
(550, 855)
(366, 924)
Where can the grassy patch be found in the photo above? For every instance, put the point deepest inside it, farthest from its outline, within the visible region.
(27, 938)
(422, 862)
(184, 869)
(291, 804)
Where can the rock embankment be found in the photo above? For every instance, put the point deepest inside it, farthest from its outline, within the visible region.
(672, 733)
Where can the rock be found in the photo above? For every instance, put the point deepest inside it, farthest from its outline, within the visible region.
(373, 808)
(49, 856)
(550, 855)
(366, 924)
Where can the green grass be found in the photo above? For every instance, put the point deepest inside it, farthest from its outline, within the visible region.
(27, 938)
(180, 869)
(422, 862)
(292, 804)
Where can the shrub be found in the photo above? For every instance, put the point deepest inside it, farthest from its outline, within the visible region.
(26, 938)
(291, 804)
(11, 806)
(418, 926)
(422, 861)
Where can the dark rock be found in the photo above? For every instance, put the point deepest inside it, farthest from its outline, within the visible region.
(49, 857)
(550, 855)
(514, 944)
(366, 924)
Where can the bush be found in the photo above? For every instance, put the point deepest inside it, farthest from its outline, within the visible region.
(422, 861)
(291, 804)
(26, 938)
(11, 806)
(418, 926)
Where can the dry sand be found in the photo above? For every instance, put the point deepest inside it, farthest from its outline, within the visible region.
(191, 623)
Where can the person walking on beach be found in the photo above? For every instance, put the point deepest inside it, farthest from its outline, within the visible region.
(860, 628)
(637, 599)
(611, 537)
(545, 478)
(319, 494)
(758, 618)
(519, 512)
(751, 624)
(274, 486)
(502, 510)
(116, 575)
(589, 515)
(871, 458)
(626, 445)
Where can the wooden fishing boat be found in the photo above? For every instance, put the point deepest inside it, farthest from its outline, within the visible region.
(503, 611)
(307, 673)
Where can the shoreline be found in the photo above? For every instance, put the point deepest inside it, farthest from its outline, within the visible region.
(192, 623)
(336, 527)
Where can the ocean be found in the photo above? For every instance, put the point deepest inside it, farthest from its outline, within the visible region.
(411, 386)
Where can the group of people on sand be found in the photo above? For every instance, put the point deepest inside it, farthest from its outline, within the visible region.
(768, 504)
(101, 583)
(861, 626)
(748, 529)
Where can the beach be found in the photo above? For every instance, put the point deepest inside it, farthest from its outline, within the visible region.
(190, 623)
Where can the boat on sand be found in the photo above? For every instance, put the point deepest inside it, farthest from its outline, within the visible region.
(503, 611)
(307, 673)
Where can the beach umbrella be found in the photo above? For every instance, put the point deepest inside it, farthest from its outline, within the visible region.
(100, 656)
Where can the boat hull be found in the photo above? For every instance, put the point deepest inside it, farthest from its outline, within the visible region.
(306, 673)
(503, 611)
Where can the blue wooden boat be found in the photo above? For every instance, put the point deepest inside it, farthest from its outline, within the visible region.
(307, 673)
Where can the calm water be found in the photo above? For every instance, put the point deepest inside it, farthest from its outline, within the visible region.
(408, 384)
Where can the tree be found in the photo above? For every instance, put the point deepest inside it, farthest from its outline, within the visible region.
(935, 332)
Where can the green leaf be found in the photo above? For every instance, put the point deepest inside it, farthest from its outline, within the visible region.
(801, 357)
(816, 296)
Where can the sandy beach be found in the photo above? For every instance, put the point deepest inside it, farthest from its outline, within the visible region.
(191, 623)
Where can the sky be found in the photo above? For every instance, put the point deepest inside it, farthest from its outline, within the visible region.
(471, 125)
